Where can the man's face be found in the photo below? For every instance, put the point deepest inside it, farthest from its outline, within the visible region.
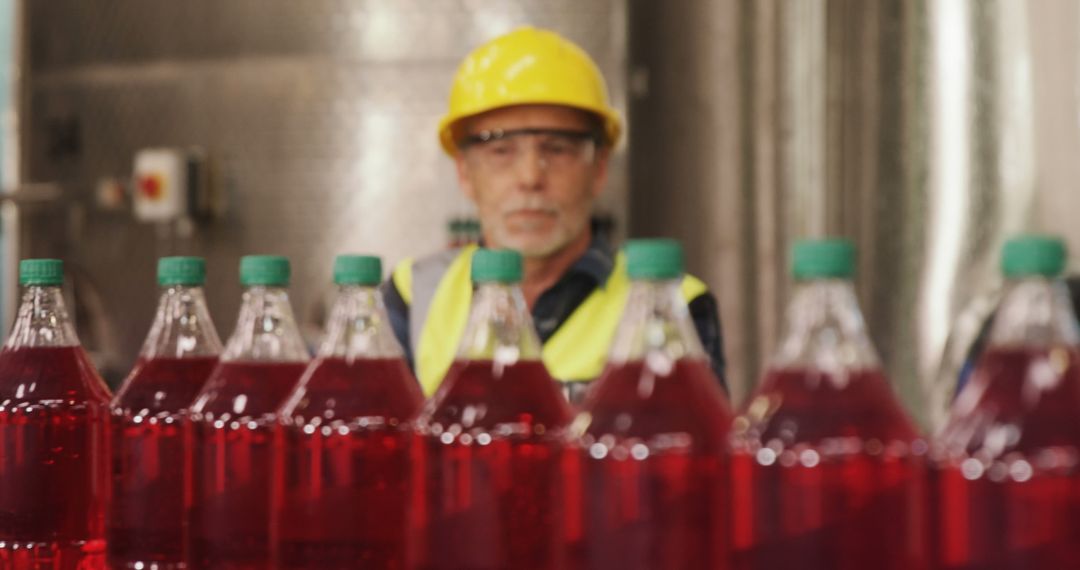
(534, 172)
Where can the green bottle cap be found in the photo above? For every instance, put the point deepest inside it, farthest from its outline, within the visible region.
(1030, 255)
(47, 272)
(181, 271)
(823, 259)
(265, 270)
(357, 270)
(654, 259)
(496, 265)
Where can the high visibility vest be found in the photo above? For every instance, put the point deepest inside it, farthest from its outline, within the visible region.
(439, 290)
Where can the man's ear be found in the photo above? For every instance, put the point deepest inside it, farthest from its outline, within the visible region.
(464, 177)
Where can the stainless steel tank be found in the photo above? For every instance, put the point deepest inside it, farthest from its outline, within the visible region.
(926, 131)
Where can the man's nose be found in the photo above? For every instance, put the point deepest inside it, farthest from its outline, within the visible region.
(531, 168)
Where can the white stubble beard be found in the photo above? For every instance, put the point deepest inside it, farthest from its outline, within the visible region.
(562, 234)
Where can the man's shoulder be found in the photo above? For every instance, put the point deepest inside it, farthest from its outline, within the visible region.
(425, 271)
(439, 258)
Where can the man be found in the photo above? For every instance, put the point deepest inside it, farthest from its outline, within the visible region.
(530, 130)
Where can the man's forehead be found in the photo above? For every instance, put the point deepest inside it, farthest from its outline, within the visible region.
(530, 116)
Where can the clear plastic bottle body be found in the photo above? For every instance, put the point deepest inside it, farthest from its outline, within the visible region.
(828, 470)
(493, 443)
(1006, 481)
(146, 514)
(650, 441)
(231, 431)
(346, 476)
(54, 442)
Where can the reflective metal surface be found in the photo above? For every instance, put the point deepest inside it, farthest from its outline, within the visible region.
(321, 115)
(926, 131)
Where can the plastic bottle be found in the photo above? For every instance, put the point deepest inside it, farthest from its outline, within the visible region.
(54, 440)
(232, 424)
(346, 471)
(828, 469)
(652, 434)
(146, 515)
(493, 436)
(1005, 479)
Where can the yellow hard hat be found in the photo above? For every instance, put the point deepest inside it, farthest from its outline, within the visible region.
(527, 66)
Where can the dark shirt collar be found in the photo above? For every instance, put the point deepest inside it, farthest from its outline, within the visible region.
(596, 263)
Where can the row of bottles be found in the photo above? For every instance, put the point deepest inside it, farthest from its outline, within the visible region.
(461, 232)
(249, 456)
(466, 230)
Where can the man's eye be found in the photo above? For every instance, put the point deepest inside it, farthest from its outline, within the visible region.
(557, 146)
(500, 148)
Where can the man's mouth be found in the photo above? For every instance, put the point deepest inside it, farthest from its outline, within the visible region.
(530, 220)
(533, 213)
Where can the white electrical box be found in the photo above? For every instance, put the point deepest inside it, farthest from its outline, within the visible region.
(160, 185)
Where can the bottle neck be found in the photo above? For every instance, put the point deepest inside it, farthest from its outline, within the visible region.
(499, 327)
(182, 326)
(42, 320)
(825, 329)
(1034, 312)
(266, 329)
(656, 326)
(359, 327)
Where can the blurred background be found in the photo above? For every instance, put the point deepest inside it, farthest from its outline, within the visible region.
(927, 131)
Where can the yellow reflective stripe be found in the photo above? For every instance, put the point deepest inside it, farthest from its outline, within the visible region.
(578, 349)
(692, 288)
(445, 323)
(576, 352)
(402, 277)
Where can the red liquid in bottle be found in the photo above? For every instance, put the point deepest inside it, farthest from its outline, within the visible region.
(147, 512)
(231, 452)
(54, 413)
(346, 475)
(1022, 510)
(835, 480)
(656, 497)
(494, 497)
